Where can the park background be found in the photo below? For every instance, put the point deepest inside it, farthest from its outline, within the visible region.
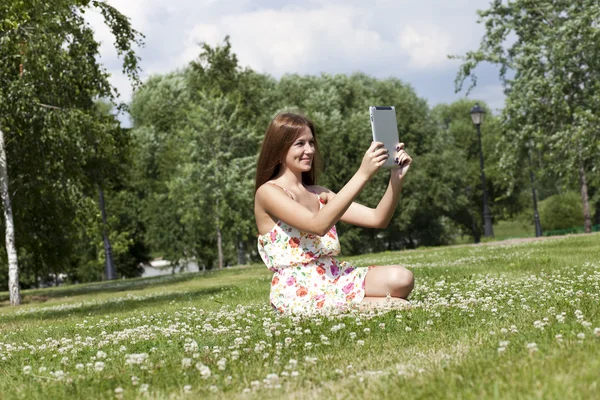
(166, 171)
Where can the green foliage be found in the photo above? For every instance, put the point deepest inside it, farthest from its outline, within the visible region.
(549, 57)
(60, 146)
(561, 211)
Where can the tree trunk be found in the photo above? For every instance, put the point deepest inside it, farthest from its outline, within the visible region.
(219, 247)
(219, 239)
(11, 249)
(587, 220)
(109, 265)
(241, 251)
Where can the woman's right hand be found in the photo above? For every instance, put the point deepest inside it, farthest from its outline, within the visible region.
(374, 158)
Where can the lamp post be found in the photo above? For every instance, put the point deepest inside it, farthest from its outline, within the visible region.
(477, 114)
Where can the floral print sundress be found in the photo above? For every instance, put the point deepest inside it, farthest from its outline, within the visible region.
(307, 277)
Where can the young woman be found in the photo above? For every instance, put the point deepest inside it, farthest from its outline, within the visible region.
(296, 223)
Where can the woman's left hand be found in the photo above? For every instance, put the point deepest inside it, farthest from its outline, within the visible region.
(403, 160)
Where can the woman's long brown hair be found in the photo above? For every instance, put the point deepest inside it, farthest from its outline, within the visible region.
(281, 134)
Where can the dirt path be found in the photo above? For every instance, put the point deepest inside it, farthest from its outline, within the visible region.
(524, 240)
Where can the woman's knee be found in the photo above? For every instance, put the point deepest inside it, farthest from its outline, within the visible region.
(402, 281)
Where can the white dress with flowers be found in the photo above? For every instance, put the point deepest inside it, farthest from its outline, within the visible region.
(307, 276)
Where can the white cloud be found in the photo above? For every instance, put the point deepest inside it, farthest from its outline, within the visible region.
(400, 38)
(293, 40)
(426, 47)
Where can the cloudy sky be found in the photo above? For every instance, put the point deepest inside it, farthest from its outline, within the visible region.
(409, 40)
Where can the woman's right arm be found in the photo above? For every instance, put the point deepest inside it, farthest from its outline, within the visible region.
(279, 205)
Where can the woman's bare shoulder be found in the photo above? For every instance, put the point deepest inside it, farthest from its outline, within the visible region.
(268, 189)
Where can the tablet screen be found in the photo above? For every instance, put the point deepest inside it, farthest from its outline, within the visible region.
(385, 130)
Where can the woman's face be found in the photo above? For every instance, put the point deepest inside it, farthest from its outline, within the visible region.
(300, 155)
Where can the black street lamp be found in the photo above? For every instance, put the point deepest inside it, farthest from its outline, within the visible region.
(477, 114)
(536, 216)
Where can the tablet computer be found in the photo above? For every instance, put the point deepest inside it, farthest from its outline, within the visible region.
(385, 130)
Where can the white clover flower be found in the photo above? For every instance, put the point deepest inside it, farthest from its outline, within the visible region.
(204, 370)
(559, 338)
(221, 364)
(538, 325)
(503, 330)
(27, 369)
(504, 343)
(79, 366)
(581, 336)
(186, 362)
(187, 388)
(99, 366)
(135, 380)
(532, 347)
(59, 375)
(119, 392)
(100, 355)
(597, 331)
(501, 349)
(382, 325)
(144, 388)
(213, 388)
(295, 374)
(360, 342)
(310, 360)
(408, 329)
(352, 335)
(367, 330)
(136, 358)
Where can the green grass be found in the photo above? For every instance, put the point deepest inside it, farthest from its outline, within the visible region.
(484, 324)
(503, 230)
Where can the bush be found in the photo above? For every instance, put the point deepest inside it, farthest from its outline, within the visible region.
(561, 211)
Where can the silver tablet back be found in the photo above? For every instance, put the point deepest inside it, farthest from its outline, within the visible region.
(385, 130)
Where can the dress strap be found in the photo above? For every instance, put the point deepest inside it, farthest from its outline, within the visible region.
(284, 189)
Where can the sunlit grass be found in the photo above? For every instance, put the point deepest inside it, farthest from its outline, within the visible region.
(487, 321)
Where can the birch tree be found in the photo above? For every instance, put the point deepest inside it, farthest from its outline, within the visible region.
(49, 79)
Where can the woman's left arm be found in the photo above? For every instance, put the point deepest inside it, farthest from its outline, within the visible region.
(380, 217)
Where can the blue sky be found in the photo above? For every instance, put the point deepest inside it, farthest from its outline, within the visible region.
(409, 40)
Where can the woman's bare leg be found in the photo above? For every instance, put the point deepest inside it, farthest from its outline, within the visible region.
(388, 285)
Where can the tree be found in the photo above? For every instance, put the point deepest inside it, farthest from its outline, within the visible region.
(457, 133)
(198, 131)
(549, 58)
(49, 79)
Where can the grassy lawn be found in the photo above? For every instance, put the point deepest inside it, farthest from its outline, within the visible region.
(503, 230)
(508, 321)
